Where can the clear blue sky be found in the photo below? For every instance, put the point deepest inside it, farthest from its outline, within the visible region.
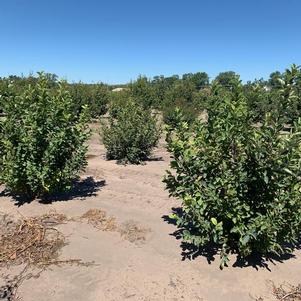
(115, 41)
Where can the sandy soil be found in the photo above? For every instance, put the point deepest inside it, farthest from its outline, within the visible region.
(151, 270)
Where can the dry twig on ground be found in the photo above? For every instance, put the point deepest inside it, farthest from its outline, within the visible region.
(287, 292)
(31, 240)
(284, 292)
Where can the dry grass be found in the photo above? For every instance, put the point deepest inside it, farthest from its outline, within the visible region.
(287, 292)
(133, 232)
(284, 292)
(31, 240)
(98, 219)
(34, 242)
(129, 230)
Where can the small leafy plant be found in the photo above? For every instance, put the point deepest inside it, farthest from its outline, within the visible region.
(131, 133)
(42, 142)
(239, 183)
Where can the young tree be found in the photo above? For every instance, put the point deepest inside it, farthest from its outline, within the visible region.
(239, 184)
(131, 134)
(42, 141)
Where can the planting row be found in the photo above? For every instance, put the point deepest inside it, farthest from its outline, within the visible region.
(237, 171)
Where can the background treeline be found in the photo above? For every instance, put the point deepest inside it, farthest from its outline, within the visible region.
(192, 93)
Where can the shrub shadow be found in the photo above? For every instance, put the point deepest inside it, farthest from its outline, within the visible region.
(154, 158)
(80, 189)
(143, 161)
(211, 251)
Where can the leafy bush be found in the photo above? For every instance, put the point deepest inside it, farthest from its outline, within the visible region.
(289, 96)
(117, 101)
(100, 100)
(42, 143)
(282, 95)
(95, 96)
(170, 114)
(142, 91)
(3, 89)
(131, 134)
(239, 184)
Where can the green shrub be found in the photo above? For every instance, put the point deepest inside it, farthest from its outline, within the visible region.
(117, 101)
(131, 133)
(239, 184)
(99, 105)
(170, 114)
(142, 92)
(95, 96)
(42, 142)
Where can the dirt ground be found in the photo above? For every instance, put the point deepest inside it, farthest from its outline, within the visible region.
(150, 268)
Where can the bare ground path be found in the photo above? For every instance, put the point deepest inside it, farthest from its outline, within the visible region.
(150, 270)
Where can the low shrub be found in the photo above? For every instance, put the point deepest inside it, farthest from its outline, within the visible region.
(239, 184)
(42, 142)
(131, 133)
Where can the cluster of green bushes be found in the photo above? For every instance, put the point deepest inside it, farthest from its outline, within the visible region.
(94, 96)
(191, 92)
(237, 172)
(44, 131)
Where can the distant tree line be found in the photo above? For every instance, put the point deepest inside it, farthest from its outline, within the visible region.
(192, 93)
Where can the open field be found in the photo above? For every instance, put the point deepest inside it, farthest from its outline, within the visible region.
(140, 259)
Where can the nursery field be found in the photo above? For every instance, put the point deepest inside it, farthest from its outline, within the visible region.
(118, 243)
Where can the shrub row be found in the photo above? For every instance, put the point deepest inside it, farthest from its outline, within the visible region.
(239, 181)
(43, 140)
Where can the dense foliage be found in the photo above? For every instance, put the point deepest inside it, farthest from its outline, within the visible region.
(42, 141)
(190, 92)
(239, 183)
(237, 171)
(131, 133)
(95, 96)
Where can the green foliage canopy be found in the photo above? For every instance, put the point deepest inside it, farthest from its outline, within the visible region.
(239, 183)
(42, 142)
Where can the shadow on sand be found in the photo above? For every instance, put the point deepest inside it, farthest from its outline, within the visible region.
(80, 189)
(211, 251)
